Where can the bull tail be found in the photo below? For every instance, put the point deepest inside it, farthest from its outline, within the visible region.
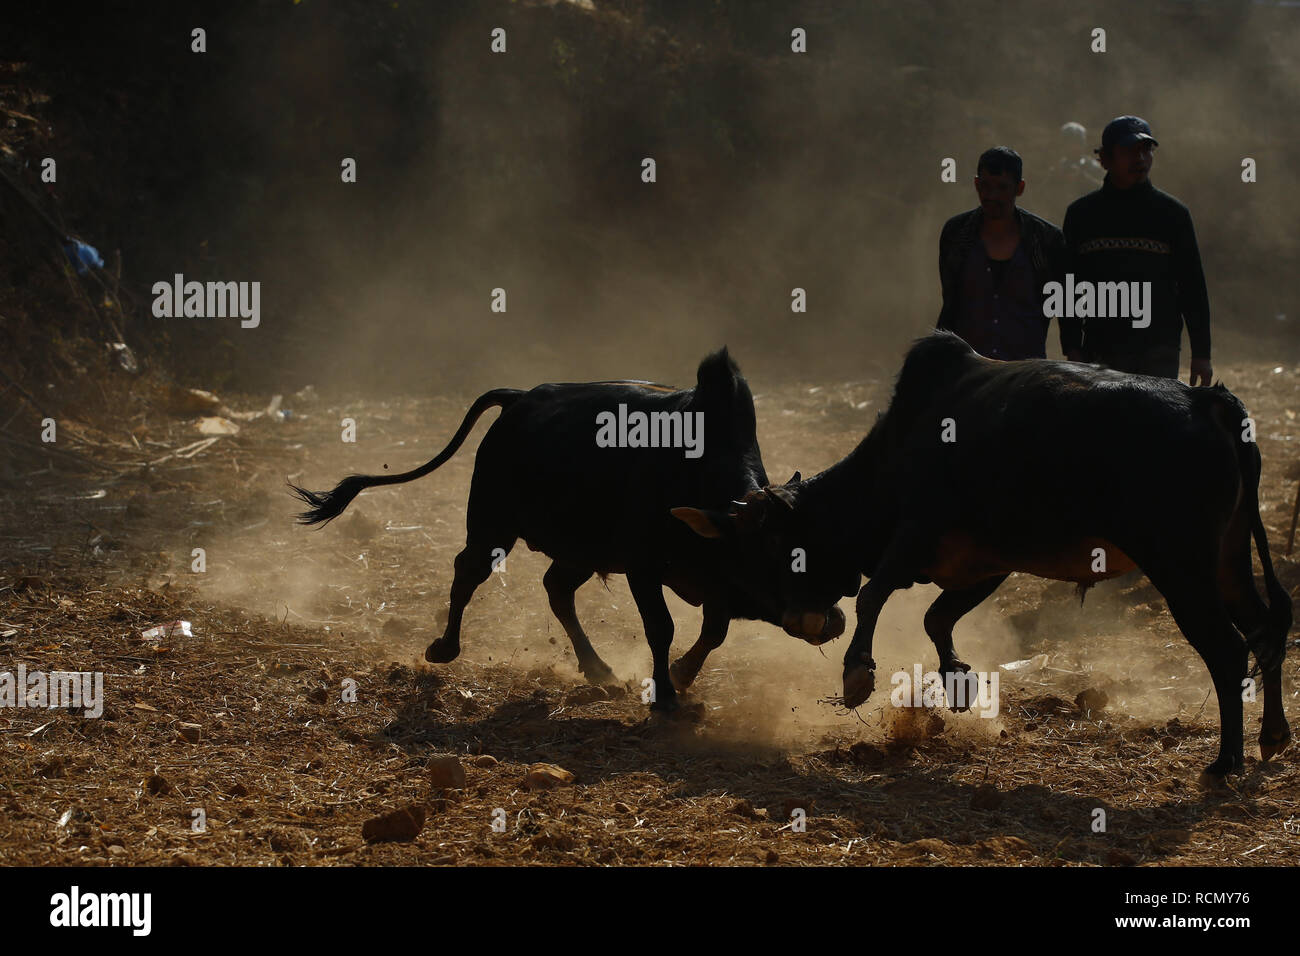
(328, 505)
(1268, 643)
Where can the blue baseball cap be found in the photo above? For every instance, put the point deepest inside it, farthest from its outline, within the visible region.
(1125, 130)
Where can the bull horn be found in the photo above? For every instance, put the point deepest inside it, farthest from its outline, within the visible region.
(795, 477)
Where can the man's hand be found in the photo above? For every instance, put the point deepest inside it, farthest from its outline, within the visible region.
(1202, 372)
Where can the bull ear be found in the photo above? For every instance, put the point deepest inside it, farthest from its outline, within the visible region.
(795, 477)
(707, 524)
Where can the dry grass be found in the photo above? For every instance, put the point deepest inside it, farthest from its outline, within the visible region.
(287, 773)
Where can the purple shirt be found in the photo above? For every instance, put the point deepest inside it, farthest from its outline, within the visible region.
(1001, 317)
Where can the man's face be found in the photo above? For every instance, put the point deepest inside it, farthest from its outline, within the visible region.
(998, 192)
(1129, 165)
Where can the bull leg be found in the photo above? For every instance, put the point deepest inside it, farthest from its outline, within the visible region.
(717, 618)
(648, 592)
(1250, 615)
(562, 581)
(1201, 615)
(473, 567)
(896, 570)
(947, 609)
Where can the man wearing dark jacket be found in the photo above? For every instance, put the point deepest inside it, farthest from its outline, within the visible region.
(993, 263)
(1128, 231)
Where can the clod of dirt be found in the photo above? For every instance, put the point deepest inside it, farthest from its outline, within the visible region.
(987, 797)
(1091, 701)
(189, 733)
(547, 776)
(191, 401)
(1168, 743)
(772, 857)
(911, 725)
(868, 755)
(53, 768)
(621, 807)
(156, 785)
(400, 826)
(485, 761)
(550, 839)
(1117, 857)
(238, 790)
(286, 840)
(743, 808)
(445, 771)
(929, 846)
(318, 695)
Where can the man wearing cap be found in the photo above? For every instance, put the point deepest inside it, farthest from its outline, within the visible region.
(1129, 231)
(993, 263)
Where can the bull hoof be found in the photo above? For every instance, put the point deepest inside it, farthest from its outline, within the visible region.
(955, 666)
(1221, 767)
(682, 674)
(1273, 744)
(599, 673)
(665, 704)
(859, 682)
(441, 651)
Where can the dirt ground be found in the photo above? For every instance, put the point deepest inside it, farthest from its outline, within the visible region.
(285, 772)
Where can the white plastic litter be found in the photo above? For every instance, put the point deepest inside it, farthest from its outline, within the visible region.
(164, 631)
(1035, 663)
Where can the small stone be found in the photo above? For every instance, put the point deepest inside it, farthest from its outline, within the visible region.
(772, 857)
(485, 761)
(547, 776)
(445, 771)
(318, 695)
(400, 826)
(190, 733)
(622, 807)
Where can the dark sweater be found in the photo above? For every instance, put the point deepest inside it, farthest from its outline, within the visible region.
(1137, 235)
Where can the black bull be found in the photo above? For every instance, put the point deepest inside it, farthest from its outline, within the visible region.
(540, 476)
(979, 468)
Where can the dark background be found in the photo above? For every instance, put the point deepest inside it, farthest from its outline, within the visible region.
(522, 171)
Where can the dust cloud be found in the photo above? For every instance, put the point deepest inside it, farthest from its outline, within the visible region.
(522, 171)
